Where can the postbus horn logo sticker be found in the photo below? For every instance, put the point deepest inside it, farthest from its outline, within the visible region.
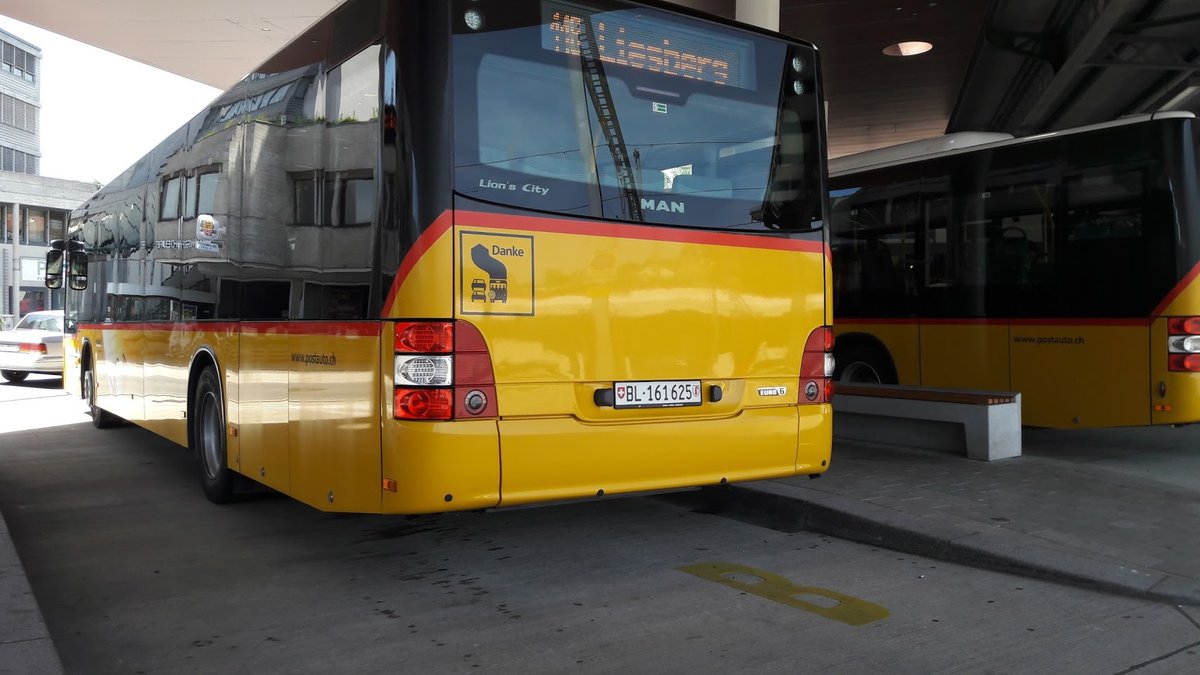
(496, 273)
(495, 287)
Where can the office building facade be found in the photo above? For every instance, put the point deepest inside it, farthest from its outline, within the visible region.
(33, 209)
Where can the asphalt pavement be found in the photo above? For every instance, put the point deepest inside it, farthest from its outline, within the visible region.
(1114, 510)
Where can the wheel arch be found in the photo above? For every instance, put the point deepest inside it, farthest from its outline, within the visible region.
(202, 359)
(864, 342)
(85, 362)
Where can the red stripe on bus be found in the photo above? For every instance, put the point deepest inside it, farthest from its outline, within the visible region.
(563, 226)
(643, 232)
(883, 322)
(335, 328)
(1138, 322)
(423, 244)
(191, 326)
(1177, 290)
(914, 321)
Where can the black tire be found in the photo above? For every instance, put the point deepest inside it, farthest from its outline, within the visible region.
(101, 419)
(859, 363)
(206, 433)
(13, 375)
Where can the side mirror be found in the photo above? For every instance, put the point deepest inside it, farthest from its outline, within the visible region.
(54, 265)
(78, 270)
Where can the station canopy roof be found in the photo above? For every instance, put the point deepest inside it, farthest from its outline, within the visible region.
(1015, 66)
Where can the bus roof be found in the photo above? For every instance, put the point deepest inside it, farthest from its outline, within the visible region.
(951, 144)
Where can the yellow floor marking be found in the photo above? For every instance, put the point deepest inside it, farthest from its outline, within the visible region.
(846, 608)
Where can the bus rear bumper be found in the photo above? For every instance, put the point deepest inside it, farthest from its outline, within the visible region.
(553, 459)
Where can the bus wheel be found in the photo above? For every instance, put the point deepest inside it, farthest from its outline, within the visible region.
(862, 364)
(207, 420)
(101, 419)
(13, 375)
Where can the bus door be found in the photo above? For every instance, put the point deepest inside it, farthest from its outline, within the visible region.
(265, 303)
(334, 383)
(961, 346)
(1087, 363)
(168, 354)
(121, 346)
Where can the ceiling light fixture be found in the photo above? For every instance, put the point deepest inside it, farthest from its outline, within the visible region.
(1179, 101)
(907, 48)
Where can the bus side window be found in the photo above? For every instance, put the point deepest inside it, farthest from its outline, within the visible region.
(883, 281)
(1105, 246)
(937, 269)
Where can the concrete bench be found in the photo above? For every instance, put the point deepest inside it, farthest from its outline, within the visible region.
(987, 425)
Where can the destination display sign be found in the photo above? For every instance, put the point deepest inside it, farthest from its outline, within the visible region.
(655, 42)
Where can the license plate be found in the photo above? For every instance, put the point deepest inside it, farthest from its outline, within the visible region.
(656, 394)
(9, 348)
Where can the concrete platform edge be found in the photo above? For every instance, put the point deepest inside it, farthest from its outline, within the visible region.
(791, 507)
(25, 643)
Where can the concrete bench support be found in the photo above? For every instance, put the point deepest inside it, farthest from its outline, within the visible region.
(987, 425)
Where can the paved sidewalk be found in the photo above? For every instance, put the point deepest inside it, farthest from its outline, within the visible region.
(1115, 509)
(25, 644)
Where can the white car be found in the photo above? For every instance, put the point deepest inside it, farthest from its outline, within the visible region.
(33, 346)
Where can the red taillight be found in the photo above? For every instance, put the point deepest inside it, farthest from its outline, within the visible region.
(423, 404)
(451, 368)
(1188, 363)
(1184, 325)
(1183, 344)
(30, 348)
(425, 337)
(816, 367)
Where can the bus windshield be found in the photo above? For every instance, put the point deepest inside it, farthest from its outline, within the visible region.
(634, 114)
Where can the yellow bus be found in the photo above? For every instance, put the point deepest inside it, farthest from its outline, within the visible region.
(1062, 266)
(457, 255)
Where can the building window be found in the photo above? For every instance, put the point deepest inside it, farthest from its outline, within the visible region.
(307, 192)
(168, 207)
(206, 199)
(20, 162)
(35, 227)
(187, 196)
(31, 300)
(18, 62)
(17, 113)
(334, 199)
(358, 201)
(58, 220)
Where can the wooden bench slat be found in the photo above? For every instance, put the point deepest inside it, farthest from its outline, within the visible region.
(924, 394)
